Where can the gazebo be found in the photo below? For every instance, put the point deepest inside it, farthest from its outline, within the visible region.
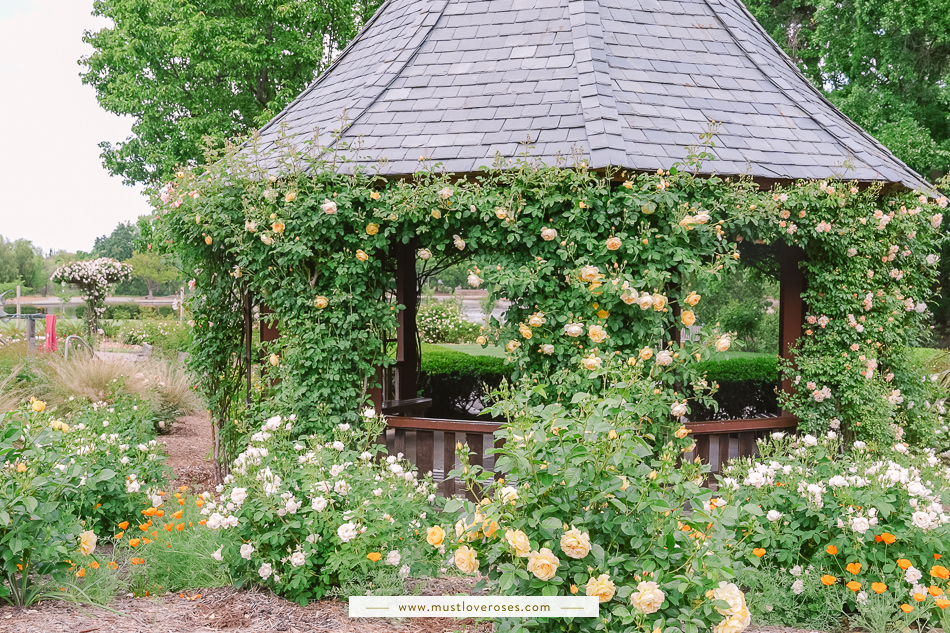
(623, 83)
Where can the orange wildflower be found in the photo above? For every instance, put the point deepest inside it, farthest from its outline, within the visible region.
(878, 587)
(168, 527)
(936, 556)
(154, 533)
(181, 502)
(149, 512)
(854, 585)
(828, 580)
(877, 538)
(374, 556)
(81, 573)
(943, 603)
(941, 572)
(180, 527)
(854, 568)
(112, 565)
(906, 608)
(934, 590)
(831, 549)
(146, 541)
(199, 502)
(134, 542)
(159, 513)
(888, 538)
(182, 488)
(144, 527)
(178, 514)
(94, 564)
(759, 552)
(202, 522)
(920, 597)
(119, 535)
(904, 564)
(124, 525)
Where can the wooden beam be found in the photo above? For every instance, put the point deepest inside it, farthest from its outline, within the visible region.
(269, 332)
(407, 351)
(791, 305)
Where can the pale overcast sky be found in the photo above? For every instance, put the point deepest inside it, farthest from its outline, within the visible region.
(56, 192)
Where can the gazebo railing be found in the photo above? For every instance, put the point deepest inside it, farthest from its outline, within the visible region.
(429, 443)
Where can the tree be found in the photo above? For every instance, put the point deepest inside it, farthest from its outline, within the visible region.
(21, 263)
(120, 244)
(152, 269)
(884, 63)
(190, 69)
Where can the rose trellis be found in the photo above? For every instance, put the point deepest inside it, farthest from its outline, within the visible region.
(601, 268)
(93, 278)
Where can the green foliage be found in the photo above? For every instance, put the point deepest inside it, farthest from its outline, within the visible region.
(155, 63)
(441, 321)
(593, 485)
(439, 360)
(831, 518)
(154, 270)
(120, 244)
(302, 516)
(165, 334)
(21, 263)
(459, 384)
(759, 368)
(40, 476)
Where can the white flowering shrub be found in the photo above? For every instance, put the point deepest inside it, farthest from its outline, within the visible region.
(442, 322)
(303, 516)
(93, 278)
(595, 501)
(857, 524)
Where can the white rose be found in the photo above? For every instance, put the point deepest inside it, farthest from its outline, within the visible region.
(648, 598)
(346, 532)
(678, 409)
(810, 440)
(393, 558)
(548, 234)
(328, 206)
(265, 571)
(664, 358)
(424, 253)
(297, 559)
(246, 550)
(319, 504)
(574, 329)
(773, 515)
(238, 495)
(921, 520)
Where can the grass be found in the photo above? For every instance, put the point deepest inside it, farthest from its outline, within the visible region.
(473, 349)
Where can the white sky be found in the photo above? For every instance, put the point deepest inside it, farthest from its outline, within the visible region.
(55, 191)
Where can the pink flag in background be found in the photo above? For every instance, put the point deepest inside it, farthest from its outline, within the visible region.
(50, 345)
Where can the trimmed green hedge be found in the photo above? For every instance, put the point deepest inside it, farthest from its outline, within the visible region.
(439, 360)
(760, 368)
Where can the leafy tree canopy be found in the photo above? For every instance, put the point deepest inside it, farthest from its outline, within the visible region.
(190, 69)
(154, 270)
(21, 263)
(885, 63)
(119, 244)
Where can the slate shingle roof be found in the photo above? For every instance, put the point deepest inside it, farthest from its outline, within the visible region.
(629, 83)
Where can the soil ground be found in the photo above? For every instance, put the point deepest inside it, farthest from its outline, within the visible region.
(226, 609)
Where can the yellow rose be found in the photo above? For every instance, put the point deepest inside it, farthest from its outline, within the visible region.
(723, 344)
(597, 334)
(38, 405)
(646, 353)
(575, 544)
(681, 432)
(278, 227)
(372, 228)
(21, 467)
(548, 234)
(375, 195)
(321, 302)
(647, 598)
(693, 298)
(601, 587)
(466, 559)
(518, 540)
(688, 317)
(290, 196)
(543, 564)
(512, 346)
(525, 331)
(435, 536)
(590, 273)
(732, 595)
(360, 255)
(489, 528)
(436, 214)
(735, 623)
(274, 360)
(208, 240)
(481, 340)
(613, 243)
(659, 302)
(87, 542)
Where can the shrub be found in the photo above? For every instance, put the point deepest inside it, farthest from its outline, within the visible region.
(746, 388)
(81, 312)
(861, 517)
(459, 383)
(38, 530)
(442, 322)
(168, 335)
(594, 500)
(123, 311)
(302, 516)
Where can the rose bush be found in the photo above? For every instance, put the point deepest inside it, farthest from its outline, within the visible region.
(594, 501)
(854, 524)
(304, 516)
(93, 278)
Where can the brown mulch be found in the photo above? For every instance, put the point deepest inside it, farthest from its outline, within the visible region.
(189, 452)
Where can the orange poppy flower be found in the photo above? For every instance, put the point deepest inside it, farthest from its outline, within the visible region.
(124, 525)
(878, 587)
(904, 564)
(180, 527)
(119, 535)
(202, 522)
(831, 549)
(920, 597)
(178, 514)
(936, 556)
(199, 502)
(854, 585)
(941, 572)
(181, 502)
(154, 533)
(81, 573)
(182, 488)
(759, 552)
(854, 568)
(934, 590)
(943, 603)
(149, 512)
(877, 538)
(190, 524)
(94, 564)
(888, 538)
(146, 541)
(828, 580)
(374, 556)
(144, 527)
(168, 527)
(159, 513)
(134, 542)
(112, 565)
(906, 608)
